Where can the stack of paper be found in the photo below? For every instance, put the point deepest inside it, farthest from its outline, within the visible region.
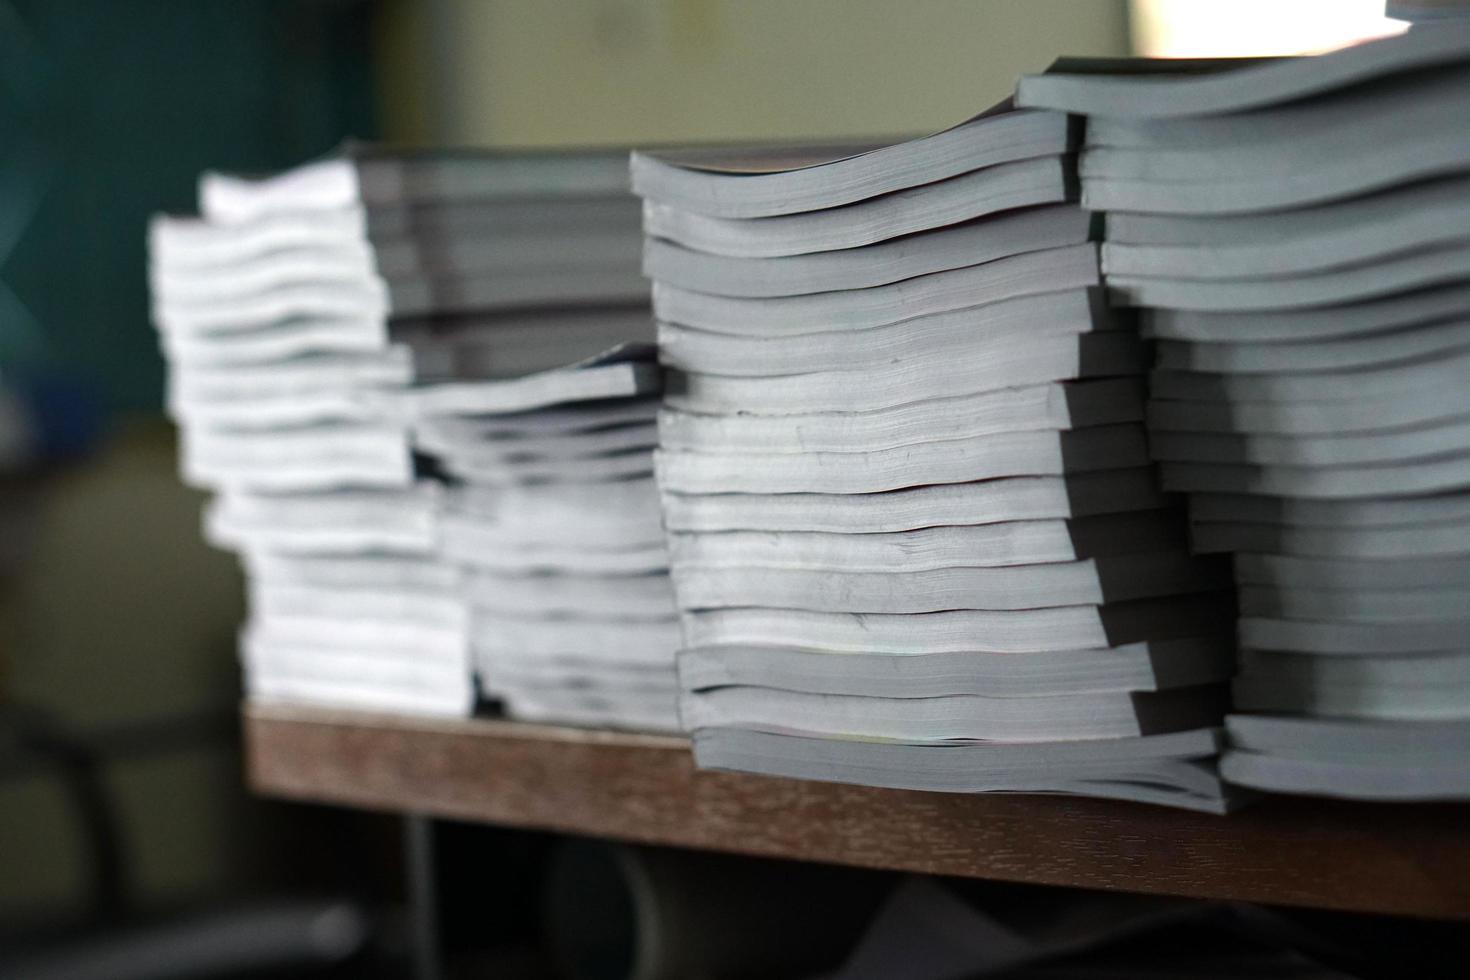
(350, 603)
(914, 536)
(290, 312)
(1299, 235)
(554, 519)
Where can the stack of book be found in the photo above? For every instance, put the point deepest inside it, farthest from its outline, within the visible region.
(1298, 233)
(350, 604)
(553, 517)
(291, 310)
(914, 535)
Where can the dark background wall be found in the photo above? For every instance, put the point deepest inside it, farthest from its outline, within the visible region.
(118, 622)
(111, 108)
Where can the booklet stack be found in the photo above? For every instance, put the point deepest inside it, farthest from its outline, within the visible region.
(1298, 233)
(350, 604)
(914, 537)
(290, 310)
(554, 519)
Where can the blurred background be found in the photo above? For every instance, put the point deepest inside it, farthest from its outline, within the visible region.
(117, 663)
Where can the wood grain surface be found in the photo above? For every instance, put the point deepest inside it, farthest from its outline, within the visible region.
(1399, 859)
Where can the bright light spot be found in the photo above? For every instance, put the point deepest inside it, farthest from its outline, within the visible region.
(1249, 28)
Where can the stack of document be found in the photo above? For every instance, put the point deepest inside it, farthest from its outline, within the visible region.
(350, 604)
(914, 537)
(553, 517)
(292, 310)
(1298, 235)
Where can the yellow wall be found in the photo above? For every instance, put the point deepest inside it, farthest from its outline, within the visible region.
(570, 72)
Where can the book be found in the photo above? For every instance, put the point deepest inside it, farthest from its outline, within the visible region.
(924, 375)
(1163, 90)
(624, 371)
(1356, 759)
(1320, 323)
(1393, 541)
(1391, 378)
(313, 318)
(1073, 495)
(1068, 313)
(964, 197)
(903, 475)
(1247, 357)
(599, 515)
(1173, 769)
(367, 174)
(640, 596)
(1358, 140)
(509, 450)
(1094, 715)
(1374, 700)
(553, 520)
(271, 600)
(994, 544)
(1282, 243)
(1289, 231)
(903, 589)
(1432, 475)
(765, 181)
(296, 391)
(225, 238)
(307, 458)
(1351, 574)
(386, 570)
(956, 246)
(1370, 513)
(608, 642)
(1422, 268)
(337, 522)
(650, 711)
(990, 457)
(1413, 671)
(1004, 631)
(1426, 403)
(1350, 449)
(514, 344)
(1350, 637)
(971, 284)
(1149, 666)
(1382, 606)
(358, 642)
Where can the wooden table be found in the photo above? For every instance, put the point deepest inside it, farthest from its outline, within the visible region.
(1400, 859)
